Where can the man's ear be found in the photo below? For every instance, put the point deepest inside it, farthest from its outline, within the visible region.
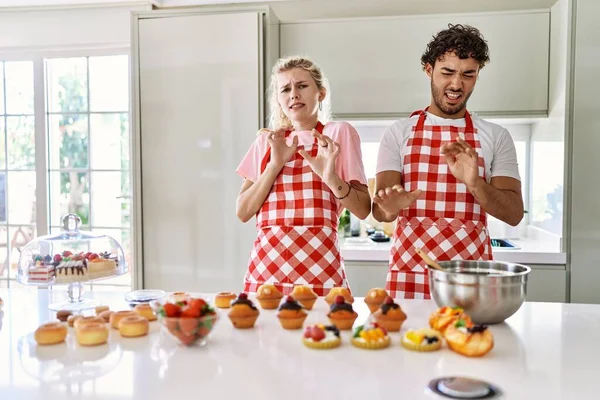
(428, 70)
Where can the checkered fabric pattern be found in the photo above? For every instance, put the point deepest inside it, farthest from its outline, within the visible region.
(447, 223)
(297, 233)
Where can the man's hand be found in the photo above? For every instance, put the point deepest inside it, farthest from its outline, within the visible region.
(462, 161)
(395, 198)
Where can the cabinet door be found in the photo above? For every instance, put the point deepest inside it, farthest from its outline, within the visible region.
(199, 104)
(374, 65)
(547, 283)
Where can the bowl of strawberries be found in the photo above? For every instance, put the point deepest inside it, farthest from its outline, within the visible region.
(189, 319)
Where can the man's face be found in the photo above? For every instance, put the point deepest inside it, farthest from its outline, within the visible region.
(452, 82)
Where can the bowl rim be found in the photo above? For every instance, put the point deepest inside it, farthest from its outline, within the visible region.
(526, 269)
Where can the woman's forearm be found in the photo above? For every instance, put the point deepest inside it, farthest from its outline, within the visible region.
(253, 194)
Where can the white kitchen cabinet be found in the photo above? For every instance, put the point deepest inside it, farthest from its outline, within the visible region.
(198, 92)
(374, 64)
(547, 283)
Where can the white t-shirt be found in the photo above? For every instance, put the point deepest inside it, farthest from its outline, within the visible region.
(497, 145)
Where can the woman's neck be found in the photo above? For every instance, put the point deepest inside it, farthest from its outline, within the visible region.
(307, 125)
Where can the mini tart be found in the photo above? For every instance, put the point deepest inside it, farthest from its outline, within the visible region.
(443, 317)
(390, 315)
(375, 298)
(321, 337)
(145, 311)
(424, 339)
(178, 297)
(339, 291)
(268, 296)
(305, 296)
(291, 314)
(371, 337)
(341, 314)
(223, 299)
(243, 313)
(468, 339)
(50, 333)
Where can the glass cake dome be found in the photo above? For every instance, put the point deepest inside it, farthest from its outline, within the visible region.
(72, 257)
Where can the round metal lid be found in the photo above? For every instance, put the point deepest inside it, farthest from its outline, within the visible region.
(463, 388)
(144, 296)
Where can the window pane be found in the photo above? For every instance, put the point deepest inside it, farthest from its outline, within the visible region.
(369, 152)
(21, 197)
(21, 142)
(68, 141)
(3, 252)
(67, 84)
(123, 236)
(2, 143)
(69, 193)
(110, 199)
(1, 88)
(2, 197)
(109, 137)
(19, 87)
(19, 236)
(109, 83)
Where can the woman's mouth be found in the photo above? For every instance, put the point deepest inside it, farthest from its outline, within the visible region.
(296, 106)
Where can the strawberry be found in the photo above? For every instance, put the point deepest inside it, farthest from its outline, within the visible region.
(172, 310)
(197, 303)
(308, 332)
(190, 312)
(92, 256)
(318, 334)
(57, 258)
(188, 326)
(67, 253)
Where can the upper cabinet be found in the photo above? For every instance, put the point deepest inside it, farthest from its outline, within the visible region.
(374, 67)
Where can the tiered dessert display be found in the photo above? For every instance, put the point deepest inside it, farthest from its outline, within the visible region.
(71, 258)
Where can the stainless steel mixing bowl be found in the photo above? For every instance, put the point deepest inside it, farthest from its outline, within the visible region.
(489, 291)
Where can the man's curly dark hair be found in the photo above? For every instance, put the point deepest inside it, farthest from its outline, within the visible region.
(464, 40)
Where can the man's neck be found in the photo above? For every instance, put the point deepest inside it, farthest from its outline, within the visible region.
(433, 109)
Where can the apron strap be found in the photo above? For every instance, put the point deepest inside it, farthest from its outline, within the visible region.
(469, 128)
(267, 156)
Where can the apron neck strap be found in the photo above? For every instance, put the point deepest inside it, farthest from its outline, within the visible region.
(469, 128)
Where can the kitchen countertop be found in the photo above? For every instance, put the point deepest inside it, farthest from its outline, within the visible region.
(546, 350)
(531, 251)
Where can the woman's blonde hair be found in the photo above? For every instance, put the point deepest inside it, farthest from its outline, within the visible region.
(277, 118)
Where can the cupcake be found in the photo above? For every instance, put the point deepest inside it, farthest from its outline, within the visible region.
(424, 339)
(320, 336)
(341, 314)
(224, 299)
(445, 316)
(468, 339)
(339, 291)
(305, 296)
(268, 297)
(390, 315)
(370, 336)
(375, 297)
(243, 313)
(291, 314)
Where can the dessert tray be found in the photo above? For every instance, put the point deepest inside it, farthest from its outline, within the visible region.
(72, 257)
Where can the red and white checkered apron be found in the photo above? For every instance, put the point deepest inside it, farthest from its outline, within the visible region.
(448, 223)
(297, 231)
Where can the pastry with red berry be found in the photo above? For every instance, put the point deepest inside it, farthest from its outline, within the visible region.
(371, 336)
(375, 298)
(291, 314)
(341, 314)
(445, 316)
(468, 339)
(321, 336)
(425, 339)
(305, 296)
(268, 296)
(390, 315)
(339, 291)
(243, 313)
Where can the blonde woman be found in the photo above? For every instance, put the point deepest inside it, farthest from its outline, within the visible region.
(298, 177)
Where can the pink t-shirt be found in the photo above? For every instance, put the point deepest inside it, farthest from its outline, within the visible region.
(348, 165)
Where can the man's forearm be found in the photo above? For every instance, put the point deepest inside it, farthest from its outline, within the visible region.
(506, 205)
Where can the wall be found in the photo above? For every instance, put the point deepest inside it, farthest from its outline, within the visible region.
(548, 135)
(585, 141)
(64, 29)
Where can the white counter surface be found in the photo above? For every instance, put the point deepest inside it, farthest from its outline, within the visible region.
(546, 351)
(530, 251)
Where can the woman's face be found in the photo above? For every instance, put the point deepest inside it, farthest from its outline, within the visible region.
(298, 94)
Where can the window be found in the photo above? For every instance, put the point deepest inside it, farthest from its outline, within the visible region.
(86, 168)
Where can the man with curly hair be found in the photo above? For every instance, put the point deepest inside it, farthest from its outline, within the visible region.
(440, 171)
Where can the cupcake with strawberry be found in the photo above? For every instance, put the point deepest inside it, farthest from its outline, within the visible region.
(319, 336)
(390, 315)
(291, 314)
(341, 314)
(371, 336)
(243, 313)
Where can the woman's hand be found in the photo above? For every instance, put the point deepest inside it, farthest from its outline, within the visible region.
(280, 151)
(323, 164)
